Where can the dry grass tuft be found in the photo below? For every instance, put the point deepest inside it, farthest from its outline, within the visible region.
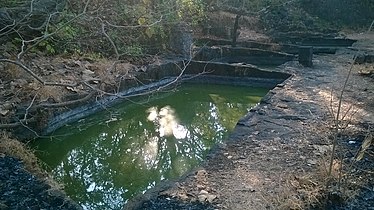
(17, 149)
(12, 71)
(308, 190)
(304, 193)
(298, 192)
(288, 200)
(324, 168)
(365, 69)
(52, 92)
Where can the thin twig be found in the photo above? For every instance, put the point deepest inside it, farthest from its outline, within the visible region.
(110, 40)
(38, 40)
(67, 103)
(28, 128)
(337, 118)
(28, 108)
(39, 79)
(16, 124)
(20, 21)
(23, 67)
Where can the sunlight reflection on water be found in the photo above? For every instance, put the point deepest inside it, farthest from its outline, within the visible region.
(167, 123)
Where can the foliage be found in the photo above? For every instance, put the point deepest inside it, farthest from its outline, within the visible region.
(191, 10)
(246, 5)
(344, 12)
(142, 27)
(292, 17)
(67, 39)
(13, 3)
(133, 50)
(135, 27)
(48, 47)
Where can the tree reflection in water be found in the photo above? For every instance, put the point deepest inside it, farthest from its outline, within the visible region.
(104, 162)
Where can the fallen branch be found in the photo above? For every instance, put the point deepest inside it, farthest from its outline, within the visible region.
(25, 121)
(17, 124)
(35, 76)
(66, 103)
(110, 40)
(29, 107)
(176, 79)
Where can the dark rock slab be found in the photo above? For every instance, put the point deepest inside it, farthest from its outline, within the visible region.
(226, 42)
(164, 202)
(221, 69)
(285, 48)
(365, 58)
(306, 56)
(243, 55)
(298, 36)
(181, 39)
(323, 41)
(327, 42)
(21, 190)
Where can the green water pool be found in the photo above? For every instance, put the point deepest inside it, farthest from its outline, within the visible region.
(106, 159)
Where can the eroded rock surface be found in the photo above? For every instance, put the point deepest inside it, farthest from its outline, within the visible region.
(21, 190)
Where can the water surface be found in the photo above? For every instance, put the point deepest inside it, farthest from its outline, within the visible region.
(108, 158)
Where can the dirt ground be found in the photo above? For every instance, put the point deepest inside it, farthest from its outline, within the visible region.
(278, 155)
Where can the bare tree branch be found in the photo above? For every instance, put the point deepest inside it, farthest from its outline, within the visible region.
(24, 68)
(28, 70)
(67, 103)
(16, 124)
(28, 108)
(38, 40)
(20, 21)
(110, 40)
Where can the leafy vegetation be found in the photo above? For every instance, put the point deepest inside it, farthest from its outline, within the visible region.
(143, 27)
(351, 13)
(133, 28)
(13, 3)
